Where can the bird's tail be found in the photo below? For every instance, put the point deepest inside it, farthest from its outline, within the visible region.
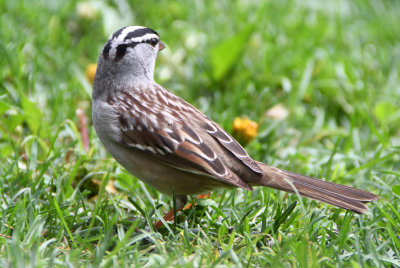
(328, 192)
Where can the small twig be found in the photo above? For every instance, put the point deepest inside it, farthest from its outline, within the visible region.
(6, 225)
(6, 236)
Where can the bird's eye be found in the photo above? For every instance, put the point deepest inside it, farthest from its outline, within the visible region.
(153, 42)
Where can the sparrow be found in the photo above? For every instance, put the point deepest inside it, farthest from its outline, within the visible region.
(173, 147)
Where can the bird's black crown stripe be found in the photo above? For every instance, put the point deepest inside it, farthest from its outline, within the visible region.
(117, 33)
(139, 33)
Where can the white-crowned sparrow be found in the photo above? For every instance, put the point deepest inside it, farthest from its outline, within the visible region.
(167, 143)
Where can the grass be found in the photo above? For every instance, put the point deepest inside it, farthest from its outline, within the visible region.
(333, 65)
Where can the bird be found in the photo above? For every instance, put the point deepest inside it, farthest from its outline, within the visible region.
(170, 145)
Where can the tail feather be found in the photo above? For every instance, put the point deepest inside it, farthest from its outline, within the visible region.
(334, 194)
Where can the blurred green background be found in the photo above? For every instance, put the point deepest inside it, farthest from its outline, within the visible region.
(332, 65)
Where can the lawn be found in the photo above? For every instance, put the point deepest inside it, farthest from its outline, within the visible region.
(333, 66)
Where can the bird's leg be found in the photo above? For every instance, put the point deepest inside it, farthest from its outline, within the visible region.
(180, 205)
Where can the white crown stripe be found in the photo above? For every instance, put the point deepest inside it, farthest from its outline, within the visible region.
(145, 37)
(127, 30)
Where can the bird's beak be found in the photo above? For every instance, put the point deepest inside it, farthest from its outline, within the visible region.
(161, 46)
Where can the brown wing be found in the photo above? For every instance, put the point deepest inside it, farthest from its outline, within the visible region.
(194, 116)
(232, 145)
(162, 132)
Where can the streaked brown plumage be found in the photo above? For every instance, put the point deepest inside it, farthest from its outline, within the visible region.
(162, 124)
(172, 146)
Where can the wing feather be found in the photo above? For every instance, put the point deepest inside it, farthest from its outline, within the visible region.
(168, 137)
(232, 145)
